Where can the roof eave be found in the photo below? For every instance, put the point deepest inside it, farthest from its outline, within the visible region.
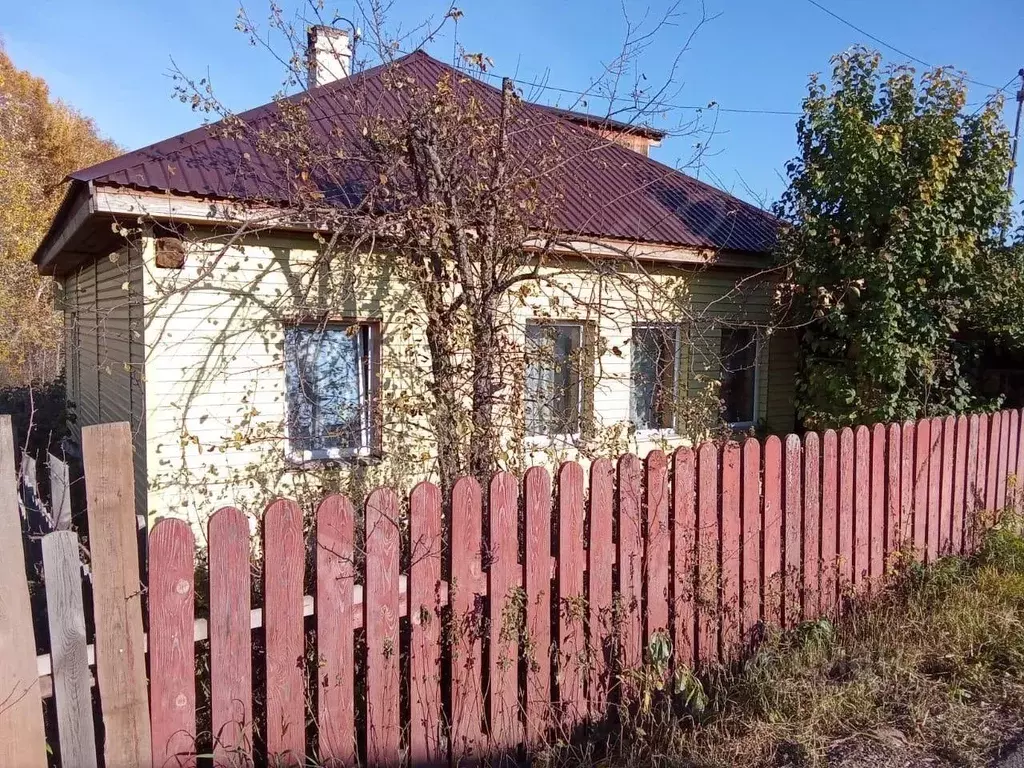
(75, 210)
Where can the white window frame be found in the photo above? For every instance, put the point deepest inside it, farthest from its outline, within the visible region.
(369, 446)
(543, 441)
(756, 409)
(663, 431)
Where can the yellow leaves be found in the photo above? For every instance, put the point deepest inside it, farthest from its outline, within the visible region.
(41, 142)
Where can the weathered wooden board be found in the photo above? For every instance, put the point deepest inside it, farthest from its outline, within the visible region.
(70, 659)
(172, 657)
(283, 566)
(630, 558)
(335, 577)
(504, 577)
(730, 551)
(771, 524)
(708, 567)
(572, 639)
(812, 526)
(383, 726)
(829, 523)
(230, 638)
(792, 528)
(750, 588)
(428, 744)
(537, 698)
(684, 542)
(117, 594)
(601, 556)
(467, 621)
(657, 545)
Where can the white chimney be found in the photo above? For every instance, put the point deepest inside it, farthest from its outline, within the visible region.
(328, 54)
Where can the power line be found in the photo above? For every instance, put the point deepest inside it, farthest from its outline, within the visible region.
(891, 47)
(658, 105)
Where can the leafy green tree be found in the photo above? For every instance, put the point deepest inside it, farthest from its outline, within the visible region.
(895, 211)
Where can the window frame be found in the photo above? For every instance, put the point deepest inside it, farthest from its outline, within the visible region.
(653, 432)
(370, 430)
(584, 402)
(755, 338)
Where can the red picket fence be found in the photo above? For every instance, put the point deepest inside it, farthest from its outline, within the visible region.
(473, 630)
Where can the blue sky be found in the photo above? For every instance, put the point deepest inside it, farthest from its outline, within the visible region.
(112, 59)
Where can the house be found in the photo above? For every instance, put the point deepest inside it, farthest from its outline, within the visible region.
(228, 385)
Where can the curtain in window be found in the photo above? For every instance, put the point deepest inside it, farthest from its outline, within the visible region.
(552, 378)
(326, 376)
(654, 356)
(739, 356)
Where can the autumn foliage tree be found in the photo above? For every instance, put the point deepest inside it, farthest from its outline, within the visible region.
(41, 141)
(896, 205)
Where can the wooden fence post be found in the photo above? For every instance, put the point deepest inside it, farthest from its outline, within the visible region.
(22, 739)
(68, 648)
(60, 492)
(117, 593)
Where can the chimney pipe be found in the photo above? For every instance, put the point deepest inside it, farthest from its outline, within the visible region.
(328, 55)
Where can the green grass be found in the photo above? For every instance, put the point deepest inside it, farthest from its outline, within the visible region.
(931, 669)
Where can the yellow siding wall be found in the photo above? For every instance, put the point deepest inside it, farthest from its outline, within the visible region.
(103, 326)
(215, 385)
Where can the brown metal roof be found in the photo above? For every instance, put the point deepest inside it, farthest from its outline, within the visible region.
(600, 189)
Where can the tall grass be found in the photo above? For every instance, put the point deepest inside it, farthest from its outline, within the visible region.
(929, 672)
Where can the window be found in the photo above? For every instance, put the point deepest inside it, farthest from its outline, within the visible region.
(654, 376)
(554, 386)
(739, 375)
(330, 374)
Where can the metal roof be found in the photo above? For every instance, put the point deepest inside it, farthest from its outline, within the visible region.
(598, 188)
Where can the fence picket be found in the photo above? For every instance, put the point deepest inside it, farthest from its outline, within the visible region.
(117, 594)
(959, 485)
(503, 578)
(907, 489)
(537, 699)
(922, 457)
(708, 537)
(1004, 455)
(230, 638)
(829, 531)
(861, 506)
(730, 552)
(877, 527)
(172, 659)
(946, 486)
(22, 737)
(427, 744)
(1012, 459)
(68, 654)
(792, 530)
(601, 554)
(992, 461)
(894, 462)
(933, 525)
(845, 512)
(684, 543)
(283, 567)
(630, 561)
(975, 470)
(771, 524)
(383, 729)
(750, 595)
(572, 643)
(1019, 466)
(812, 526)
(656, 551)
(467, 618)
(335, 576)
